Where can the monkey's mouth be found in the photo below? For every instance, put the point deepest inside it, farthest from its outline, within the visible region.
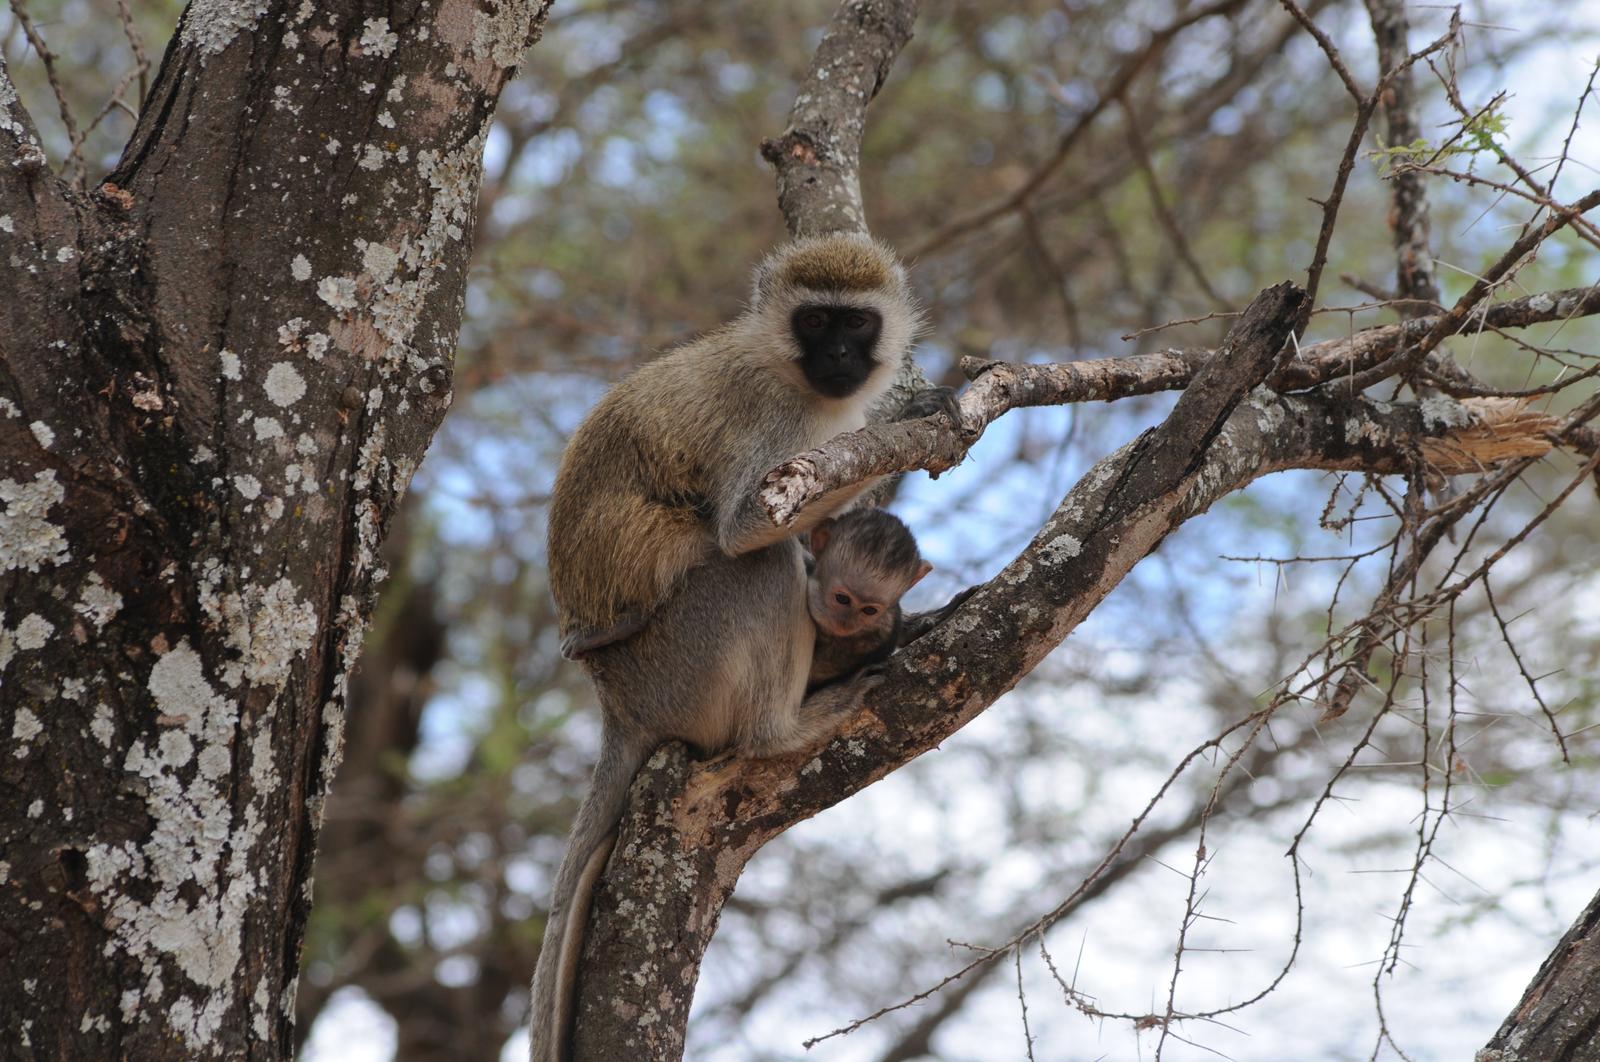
(839, 385)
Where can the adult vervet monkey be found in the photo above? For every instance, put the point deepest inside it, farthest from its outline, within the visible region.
(684, 603)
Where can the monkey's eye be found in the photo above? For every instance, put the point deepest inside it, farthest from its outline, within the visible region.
(870, 610)
(856, 322)
(843, 599)
(814, 320)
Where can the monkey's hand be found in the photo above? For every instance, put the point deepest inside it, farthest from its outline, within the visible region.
(916, 624)
(580, 643)
(931, 400)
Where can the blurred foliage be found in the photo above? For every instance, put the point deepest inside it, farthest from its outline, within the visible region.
(624, 202)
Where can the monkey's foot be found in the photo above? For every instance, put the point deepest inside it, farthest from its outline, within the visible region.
(927, 402)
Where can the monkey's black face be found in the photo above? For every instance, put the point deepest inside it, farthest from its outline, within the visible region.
(836, 345)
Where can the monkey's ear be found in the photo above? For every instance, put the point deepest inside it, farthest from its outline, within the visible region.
(820, 535)
(923, 568)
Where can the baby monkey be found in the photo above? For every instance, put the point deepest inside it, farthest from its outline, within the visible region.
(865, 561)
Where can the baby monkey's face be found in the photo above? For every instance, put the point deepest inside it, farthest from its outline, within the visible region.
(844, 607)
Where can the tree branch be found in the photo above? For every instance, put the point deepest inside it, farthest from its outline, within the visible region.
(1409, 219)
(27, 187)
(935, 445)
(1446, 324)
(818, 157)
(1559, 1014)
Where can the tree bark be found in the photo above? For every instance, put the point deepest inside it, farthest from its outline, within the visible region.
(1558, 1017)
(217, 374)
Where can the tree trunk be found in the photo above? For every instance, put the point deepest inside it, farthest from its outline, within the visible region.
(217, 375)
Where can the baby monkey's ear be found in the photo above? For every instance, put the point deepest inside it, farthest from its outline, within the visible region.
(820, 535)
(923, 568)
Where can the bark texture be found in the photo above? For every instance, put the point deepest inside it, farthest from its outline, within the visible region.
(1558, 1018)
(217, 374)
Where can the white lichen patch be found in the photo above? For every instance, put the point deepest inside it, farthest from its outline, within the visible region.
(289, 332)
(33, 632)
(380, 261)
(261, 1020)
(247, 485)
(66, 254)
(24, 728)
(267, 428)
(376, 38)
(279, 627)
(268, 628)
(316, 345)
(1441, 413)
(102, 726)
(1062, 547)
(97, 602)
(338, 292)
(230, 365)
(6, 224)
(27, 537)
(300, 268)
(1269, 414)
(43, 433)
(211, 25)
(284, 384)
(501, 34)
(194, 868)
(1358, 430)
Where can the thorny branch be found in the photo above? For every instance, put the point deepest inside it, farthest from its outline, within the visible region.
(1115, 88)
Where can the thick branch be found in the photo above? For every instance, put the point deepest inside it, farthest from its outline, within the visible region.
(818, 157)
(25, 179)
(1559, 1014)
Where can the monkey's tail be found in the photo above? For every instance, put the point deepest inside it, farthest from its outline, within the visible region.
(590, 844)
